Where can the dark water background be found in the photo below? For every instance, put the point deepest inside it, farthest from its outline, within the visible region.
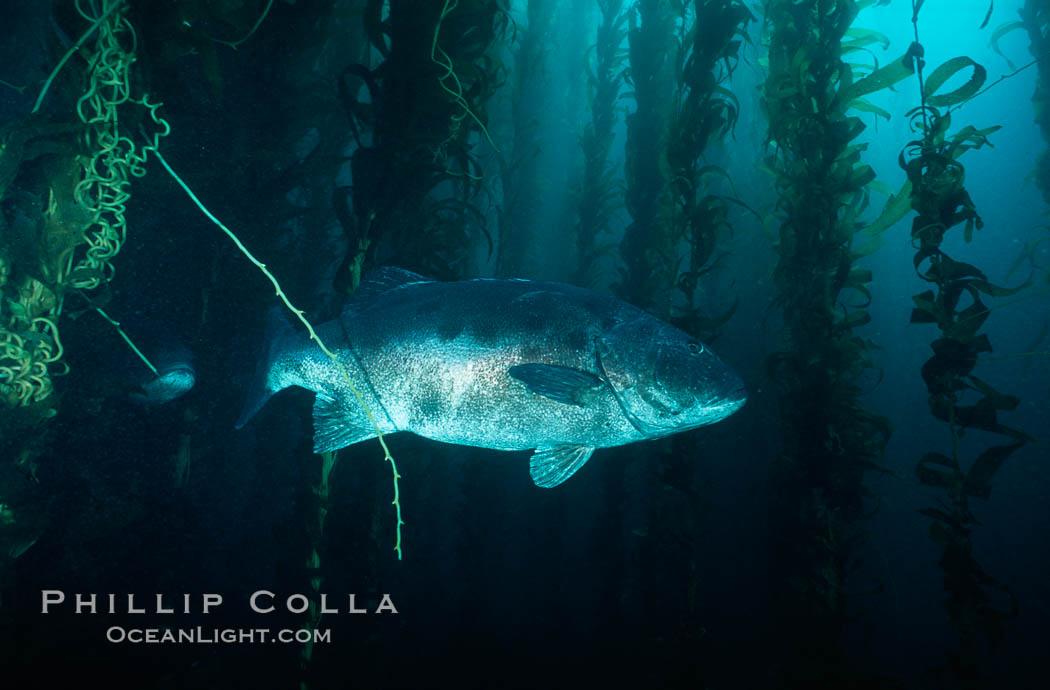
(612, 579)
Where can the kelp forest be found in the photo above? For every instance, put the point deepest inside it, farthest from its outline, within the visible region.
(847, 200)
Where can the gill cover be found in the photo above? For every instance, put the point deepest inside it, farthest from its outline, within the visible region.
(629, 359)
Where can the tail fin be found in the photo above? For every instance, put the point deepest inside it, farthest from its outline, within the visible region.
(279, 335)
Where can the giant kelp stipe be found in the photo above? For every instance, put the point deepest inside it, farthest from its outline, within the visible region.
(844, 198)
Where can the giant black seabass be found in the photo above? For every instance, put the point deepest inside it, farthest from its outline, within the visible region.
(501, 364)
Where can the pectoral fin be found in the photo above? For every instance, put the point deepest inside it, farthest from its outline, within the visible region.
(562, 384)
(549, 467)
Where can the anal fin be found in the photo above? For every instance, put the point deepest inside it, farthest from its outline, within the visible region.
(551, 466)
(335, 427)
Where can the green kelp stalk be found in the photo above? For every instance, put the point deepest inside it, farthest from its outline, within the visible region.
(521, 177)
(1035, 18)
(704, 112)
(682, 108)
(597, 199)
(829, 439)
(977, 603)
(648, 250)
(681, 58)
(416, 118)
(597, 202)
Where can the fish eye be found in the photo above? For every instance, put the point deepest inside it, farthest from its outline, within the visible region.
(694, 347)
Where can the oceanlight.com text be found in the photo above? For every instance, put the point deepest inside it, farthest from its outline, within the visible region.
(202, 635)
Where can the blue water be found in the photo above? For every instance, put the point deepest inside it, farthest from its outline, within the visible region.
(614, 578)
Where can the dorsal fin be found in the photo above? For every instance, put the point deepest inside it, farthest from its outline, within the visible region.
(385, 278)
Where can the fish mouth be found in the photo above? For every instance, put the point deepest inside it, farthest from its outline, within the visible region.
(735, 400)
(719, 407)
